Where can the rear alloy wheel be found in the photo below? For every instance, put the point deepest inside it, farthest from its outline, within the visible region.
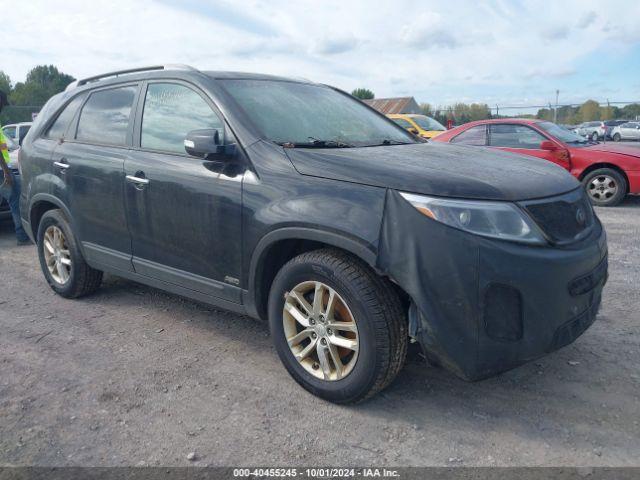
(605, 187)
(617, 137)
(339, 329)
(61, 260)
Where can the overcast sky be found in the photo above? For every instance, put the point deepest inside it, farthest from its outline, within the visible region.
(504, 52)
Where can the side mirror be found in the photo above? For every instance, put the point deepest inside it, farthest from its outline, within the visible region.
(413, 130)
(206, 144)
(548, 145)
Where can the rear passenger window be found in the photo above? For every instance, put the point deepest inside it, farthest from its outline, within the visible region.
(105, 117)
(514, 136)
(170, 112)
(59, 127)
(476, 136)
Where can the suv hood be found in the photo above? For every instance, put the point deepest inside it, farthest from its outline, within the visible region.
(438, 169)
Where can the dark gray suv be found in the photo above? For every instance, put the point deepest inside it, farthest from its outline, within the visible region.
(295, 202)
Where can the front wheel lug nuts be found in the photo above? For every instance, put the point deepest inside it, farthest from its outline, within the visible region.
(312, 321)
(323, 341)
(329, 331)
(313, 335)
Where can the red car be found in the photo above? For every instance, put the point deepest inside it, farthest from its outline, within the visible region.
(608, 171)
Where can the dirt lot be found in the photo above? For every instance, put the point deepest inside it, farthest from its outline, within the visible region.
(133, 376)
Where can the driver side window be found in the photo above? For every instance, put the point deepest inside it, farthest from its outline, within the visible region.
(170, 112)
(514, 136)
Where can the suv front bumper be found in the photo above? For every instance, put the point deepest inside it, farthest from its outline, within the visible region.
(484, 306)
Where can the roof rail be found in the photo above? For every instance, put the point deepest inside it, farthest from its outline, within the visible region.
(95, 78)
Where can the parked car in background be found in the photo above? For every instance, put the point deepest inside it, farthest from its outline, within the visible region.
(17, 131)
(626, 131)
(607, 171)
(421, 125)
(609, 125)
(592, 130)
(347, 233)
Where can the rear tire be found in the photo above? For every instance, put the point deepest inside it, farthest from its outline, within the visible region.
(380, 331)
(61, 260)
(605, 187)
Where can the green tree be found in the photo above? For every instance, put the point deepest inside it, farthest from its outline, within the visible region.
(631, 111)
(5, 83)
(42, 83)
(363, 94)
(589, 110)
(426, 109)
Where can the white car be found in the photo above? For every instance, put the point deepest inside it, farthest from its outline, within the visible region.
(17, 131)
(626, 131)
(14, 150)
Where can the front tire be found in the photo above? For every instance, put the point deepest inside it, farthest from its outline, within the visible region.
(617, 137)
(594, 136)
(61, 260)
(338, 328)
(606, 187)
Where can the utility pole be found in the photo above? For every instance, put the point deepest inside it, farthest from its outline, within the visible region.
(497, 111)
(555, 112)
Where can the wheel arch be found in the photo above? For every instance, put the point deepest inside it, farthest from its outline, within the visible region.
(39, 205)
(612, 166)
(279, 246)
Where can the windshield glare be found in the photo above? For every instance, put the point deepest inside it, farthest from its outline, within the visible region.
(560, 133)
(428, 123)
(298, 113)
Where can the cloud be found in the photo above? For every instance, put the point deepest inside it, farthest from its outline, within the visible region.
(428, 30)
(333, 46)
(587, 19)
(498, 51)
(557, 32)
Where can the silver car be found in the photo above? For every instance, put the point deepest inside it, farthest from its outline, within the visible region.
(626, 131)
(592, 130)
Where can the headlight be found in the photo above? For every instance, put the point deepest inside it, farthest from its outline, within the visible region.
(490, 219)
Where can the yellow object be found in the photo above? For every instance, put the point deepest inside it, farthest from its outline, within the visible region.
(421, 125)
(4, 147)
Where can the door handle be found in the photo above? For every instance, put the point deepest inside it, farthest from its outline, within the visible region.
(62, 164)
(137, 180)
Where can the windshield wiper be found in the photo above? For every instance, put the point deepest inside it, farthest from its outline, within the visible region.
(317, 143)
(388, 141)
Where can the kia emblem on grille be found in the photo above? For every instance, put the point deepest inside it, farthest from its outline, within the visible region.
(581, 218)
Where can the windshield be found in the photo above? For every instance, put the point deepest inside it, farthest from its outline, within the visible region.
(428, 123)
(311, 115)
(560, 133)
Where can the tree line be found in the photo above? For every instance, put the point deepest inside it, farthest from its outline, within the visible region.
(25, 98)
(44, 81)
(461, 113)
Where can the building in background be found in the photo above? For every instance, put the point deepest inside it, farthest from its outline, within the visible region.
(394, 105)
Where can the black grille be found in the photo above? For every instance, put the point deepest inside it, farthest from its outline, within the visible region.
(565, 218)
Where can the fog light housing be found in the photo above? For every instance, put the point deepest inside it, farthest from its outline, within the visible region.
(502, 313)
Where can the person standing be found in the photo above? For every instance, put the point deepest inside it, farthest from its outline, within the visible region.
(10, 183)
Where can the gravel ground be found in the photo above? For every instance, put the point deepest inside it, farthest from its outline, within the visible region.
(134, 376)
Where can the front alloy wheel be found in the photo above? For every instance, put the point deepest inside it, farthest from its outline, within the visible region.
(320, 330)
(339, 328)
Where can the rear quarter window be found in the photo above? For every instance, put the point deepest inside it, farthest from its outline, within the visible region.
(105, 116)
(60, 125)
(475, 136)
